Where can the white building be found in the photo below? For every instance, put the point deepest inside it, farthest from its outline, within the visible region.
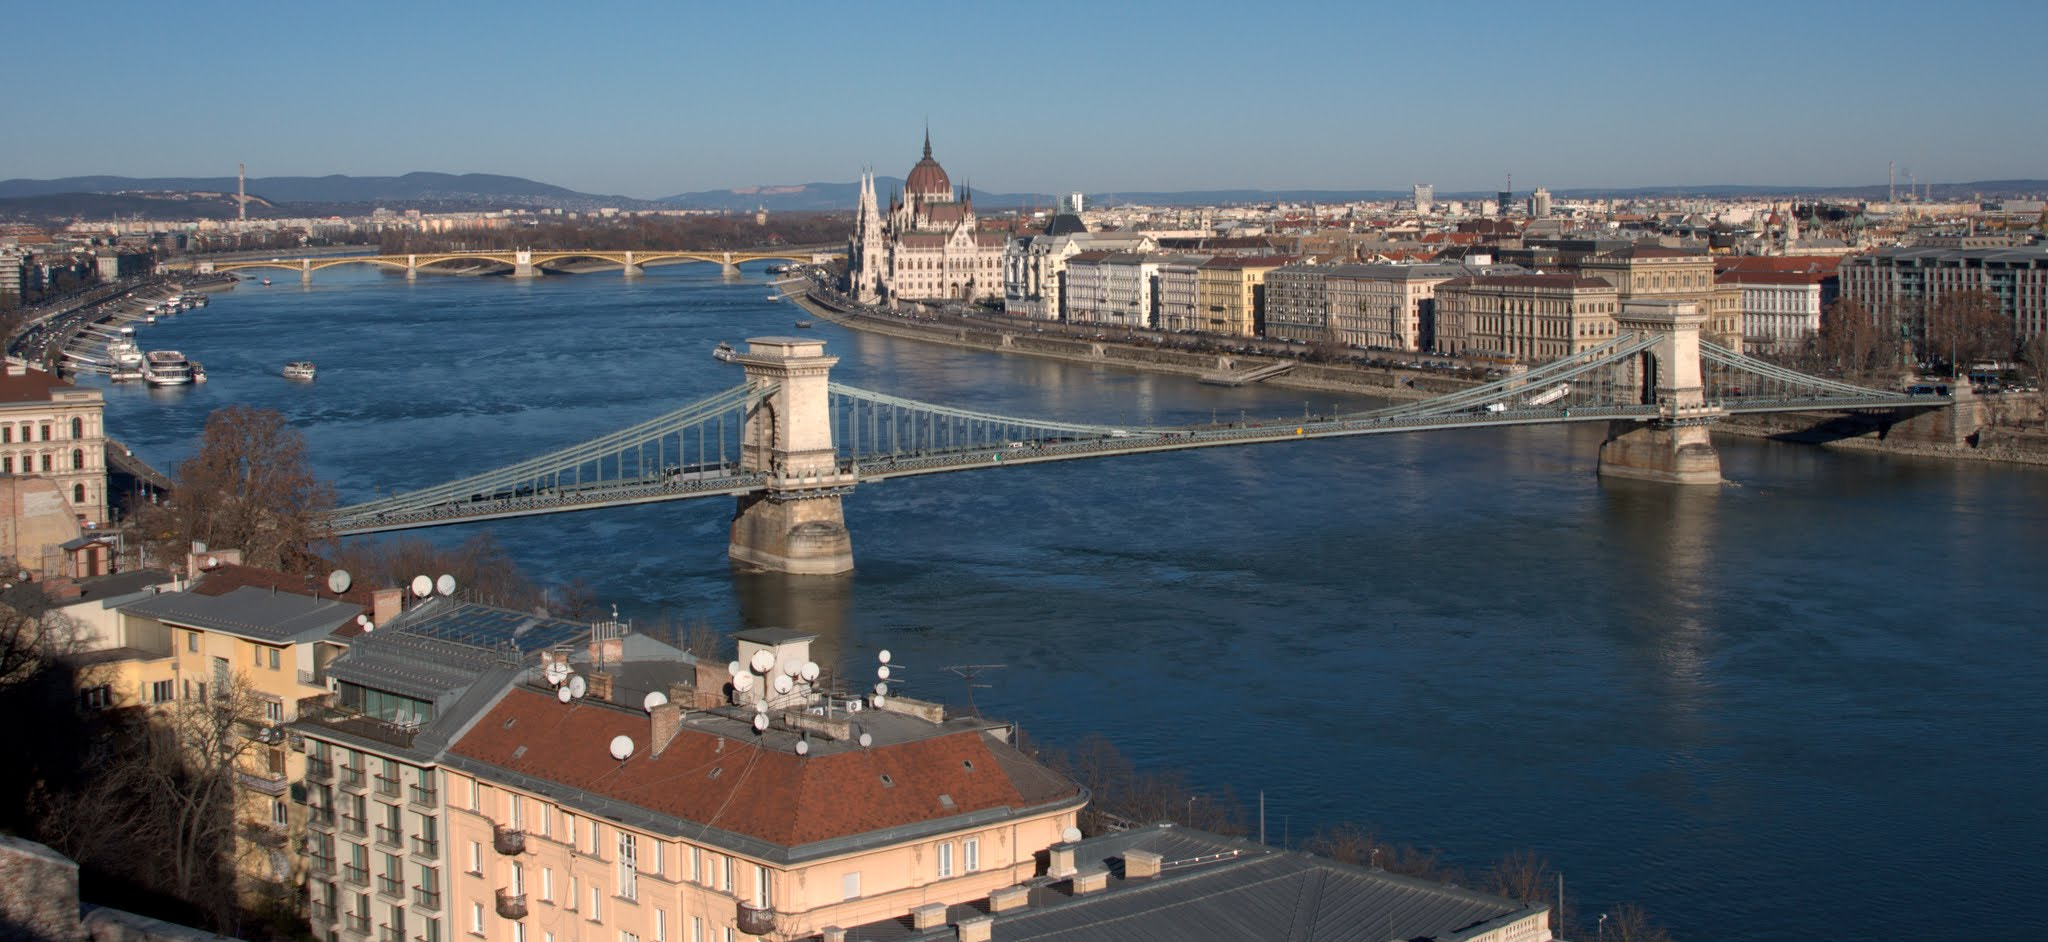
(1035, 267)
(930, 246)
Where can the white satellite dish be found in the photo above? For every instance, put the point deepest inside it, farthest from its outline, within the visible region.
(212, 562)
(338, 581)
(880, 700)
(810, 671)
(653, 700)
(363, 620)
(866, 740)
(1070, 835)
(622, 747)
(882, 672)
(743, 683)
(763, 662)
(792, 667)
(578, 686)
(782, 683)
(760, 706)
(803, 747)
(557, 672)
(734, 669)
(760, 722)
(421, 585)
(884, 656)
(445, 585)
(562, 694)
(881, 690)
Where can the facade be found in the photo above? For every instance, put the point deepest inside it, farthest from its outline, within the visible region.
(1180, 292)
(1780, 309)
(1655, 273)
(1035, 273)
(929, 247)
(780, 812)
(1899, 285)
(1230, 293)
(1388, 307)
(52, 429)
(1534, 318)
(14, 268)
(1297, 303)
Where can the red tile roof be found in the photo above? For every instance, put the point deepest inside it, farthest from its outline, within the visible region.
(736, 786)
(32, 386)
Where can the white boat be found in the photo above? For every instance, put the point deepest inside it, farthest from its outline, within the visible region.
(124, 354)
(166, 368)
(299, 369)
(725, 353)
(775, 297)
(198, 371)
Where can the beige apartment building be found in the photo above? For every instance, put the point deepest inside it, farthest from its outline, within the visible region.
(1180, 296)
(1230, 293)
(52, 429)
(1388, 307)
(1656, 273)
(1533, 318)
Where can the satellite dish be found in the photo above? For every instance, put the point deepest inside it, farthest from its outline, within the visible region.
(763, 662)
(562, 694)
(782, 683)
(882, 672)
(556, 672)
(363, 620)
(881, 700)
(421, 585)
(578, 686)
(734, 669)
(760, 706)
(881, 690)
(760, 722)
(1070, 835)
(810, 671)
(792, 667)
(884, 656)
(622, 747)
(653, 700)
(803, 747)
(866, 740)
(743, 683)
(212, 562)
(445, 585)
(338, 581)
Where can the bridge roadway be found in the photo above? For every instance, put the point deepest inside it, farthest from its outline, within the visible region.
(726, 480)
(525, 261)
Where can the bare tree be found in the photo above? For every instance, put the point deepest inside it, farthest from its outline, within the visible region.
(1629, 923)
(1851, 340)
(248, 487)
(482, 568)
(32, 633)
(1966, 327)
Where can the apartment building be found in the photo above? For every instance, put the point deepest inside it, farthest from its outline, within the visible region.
(1118, 289)
(1899, 285)
(1297, 303)
(54, 430)
(1180, 292)
(1533, 318)
(1780, 309)
(1393, 307)
(1035, 267)
(1230, 293)
(773, 808)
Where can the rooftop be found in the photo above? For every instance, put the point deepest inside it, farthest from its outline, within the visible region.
(258, 614)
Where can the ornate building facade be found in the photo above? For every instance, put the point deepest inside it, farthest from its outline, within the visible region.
(929, 246)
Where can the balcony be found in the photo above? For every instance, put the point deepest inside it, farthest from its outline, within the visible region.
(352, 777)
(319, 770)
(387, 787)
(509, 841)
(312, 678)
(323, 914)
(351, 824)
(511, 905)
(322, 865)
(426, 847)
(425, 797)
(391, 886)
(390, 934)
(426, 899)
(318, 711)
(359, 876)
(268, 783)
(357, 923)
(320, 817)
(263, 835)
(754, 920)
(389, 837)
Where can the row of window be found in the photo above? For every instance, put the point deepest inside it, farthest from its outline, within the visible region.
(49, 461)
(28, 428)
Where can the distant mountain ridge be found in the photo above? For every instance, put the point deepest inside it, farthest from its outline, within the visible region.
(338, 188)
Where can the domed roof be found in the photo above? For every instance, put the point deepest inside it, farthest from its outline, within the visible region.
(928, 178)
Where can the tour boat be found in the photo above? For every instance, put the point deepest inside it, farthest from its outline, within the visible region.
(298, 369)
(266, 281)
(123, 353)
(725, 353)
(803, 323)
(166, 368)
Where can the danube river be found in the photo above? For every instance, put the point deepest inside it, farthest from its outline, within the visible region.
(1807, 703)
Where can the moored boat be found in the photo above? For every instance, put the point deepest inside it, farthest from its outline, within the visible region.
(166, 368)
(804, 324)
(724, 353)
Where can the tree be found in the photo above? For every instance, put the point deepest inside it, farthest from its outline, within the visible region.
(482, 568)
(249, 488)
(1965, 327)
(1851, 340)
(1629, 923)
(31, 634)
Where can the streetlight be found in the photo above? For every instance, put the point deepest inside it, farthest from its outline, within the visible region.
(1600, 933)
(1374, 863)
(1191, 809)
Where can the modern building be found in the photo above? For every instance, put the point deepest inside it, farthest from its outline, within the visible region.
(1900, 285)
(1425, 198)
(929, 247)
(1656, 273)
(1532, 318)
(54, 430)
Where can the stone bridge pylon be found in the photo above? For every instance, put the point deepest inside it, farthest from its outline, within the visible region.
(796, 525)
(1674, 447)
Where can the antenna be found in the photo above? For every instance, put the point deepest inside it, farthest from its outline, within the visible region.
(763, 661)
(578, 686)
(444, 585)
(653, 700)
(421, 585)
(338, 581)
(967, 673)
(622, 747)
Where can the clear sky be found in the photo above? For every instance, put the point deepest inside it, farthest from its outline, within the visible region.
(651, 99)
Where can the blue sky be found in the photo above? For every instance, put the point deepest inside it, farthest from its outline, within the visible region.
(649, 99)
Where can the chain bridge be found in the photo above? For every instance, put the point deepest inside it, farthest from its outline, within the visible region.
(789, 444)
(529, 263)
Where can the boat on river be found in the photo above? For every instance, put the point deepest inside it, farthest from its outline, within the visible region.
(166, 368)
(299, 369)
(804, 324)
(724, 353)
(124, 354)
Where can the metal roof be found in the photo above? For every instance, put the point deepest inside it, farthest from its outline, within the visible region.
(248, 612)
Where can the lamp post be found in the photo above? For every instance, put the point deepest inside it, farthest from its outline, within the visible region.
(1191, 810)
(1374, 862)
(1600, 932)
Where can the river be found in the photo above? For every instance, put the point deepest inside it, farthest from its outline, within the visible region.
(1806, 703)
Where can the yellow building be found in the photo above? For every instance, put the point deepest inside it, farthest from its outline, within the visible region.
(1230, 294)
(1656, 273)
(1534, 318)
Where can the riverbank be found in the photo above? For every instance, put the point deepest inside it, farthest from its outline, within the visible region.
(1994, 443)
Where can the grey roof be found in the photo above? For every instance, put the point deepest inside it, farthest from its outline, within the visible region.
(774, 636)
(1065, 224)
(249, 612)
(1217, 888)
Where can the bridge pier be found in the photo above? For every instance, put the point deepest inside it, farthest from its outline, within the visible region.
(727, 269)
(522, 265)
(796, 525)
(412, 268)
(1674, 448)
(631, 270)
(305, 271)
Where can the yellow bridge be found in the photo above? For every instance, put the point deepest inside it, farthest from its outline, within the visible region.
(528, 263)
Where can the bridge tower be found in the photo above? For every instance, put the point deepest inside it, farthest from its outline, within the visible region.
(522, 264)
(1673, 448)
(796, 525)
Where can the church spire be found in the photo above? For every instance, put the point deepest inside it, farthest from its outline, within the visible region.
(927, 140)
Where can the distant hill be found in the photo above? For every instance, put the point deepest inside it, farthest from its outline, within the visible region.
(837, 197)
(441, 188)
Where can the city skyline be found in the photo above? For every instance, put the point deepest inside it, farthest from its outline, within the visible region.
(648, 102)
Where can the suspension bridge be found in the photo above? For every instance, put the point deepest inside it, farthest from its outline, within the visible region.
(789, 443)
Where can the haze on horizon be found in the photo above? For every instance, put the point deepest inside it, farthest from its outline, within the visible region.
(651, 100)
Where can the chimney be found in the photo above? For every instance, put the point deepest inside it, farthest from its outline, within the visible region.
(832, 934)
(607, 651)
(1092, 881)
(1060, 861)
(1009, 898)
(601, 685)
(1140, 864)
(975, 929)
(928, 916)
(385, 604)
(668, 721)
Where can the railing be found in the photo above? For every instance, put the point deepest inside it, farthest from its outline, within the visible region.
(318, 769)
(390, 934)
(426, 846)
(387, 787)
(426, 899)
(351, 776)
(425, 797)
(357, 923)
(354, 825)
(391, 886)
(321, 864)
(268, 783)
(356, 875)
(319, 710)
(389, 836)
(266, 835)
(322, 913)
(511, 905)
(508, 841)
(754, 920)
(320, 817)
(310, 678)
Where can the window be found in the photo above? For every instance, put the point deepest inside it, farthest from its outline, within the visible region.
(573, 887)
(192, 641)
(7, 434)
(476, 796)
(519, 932)
(849, 886)
(514, 815)
(276, 657)
(629, 874)
(696, 929)
(162, 691)
(946, 859)
(569, 826)
(476, 918)
(660, 926)
(257, 650)
(77, 427)
(971, 851)
(518, 881)
(78, 493)
(764, 891)
(476, 858)
(77, 459)
(625, 936)
(46, 433)
(47, 465)
(430, 930)
(697, 865)
(596, 904)
(7, 464)
(547, 884)
(96, 698)
(725, 876)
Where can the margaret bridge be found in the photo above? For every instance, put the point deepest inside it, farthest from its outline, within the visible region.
(789, 443)
(529, 263)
